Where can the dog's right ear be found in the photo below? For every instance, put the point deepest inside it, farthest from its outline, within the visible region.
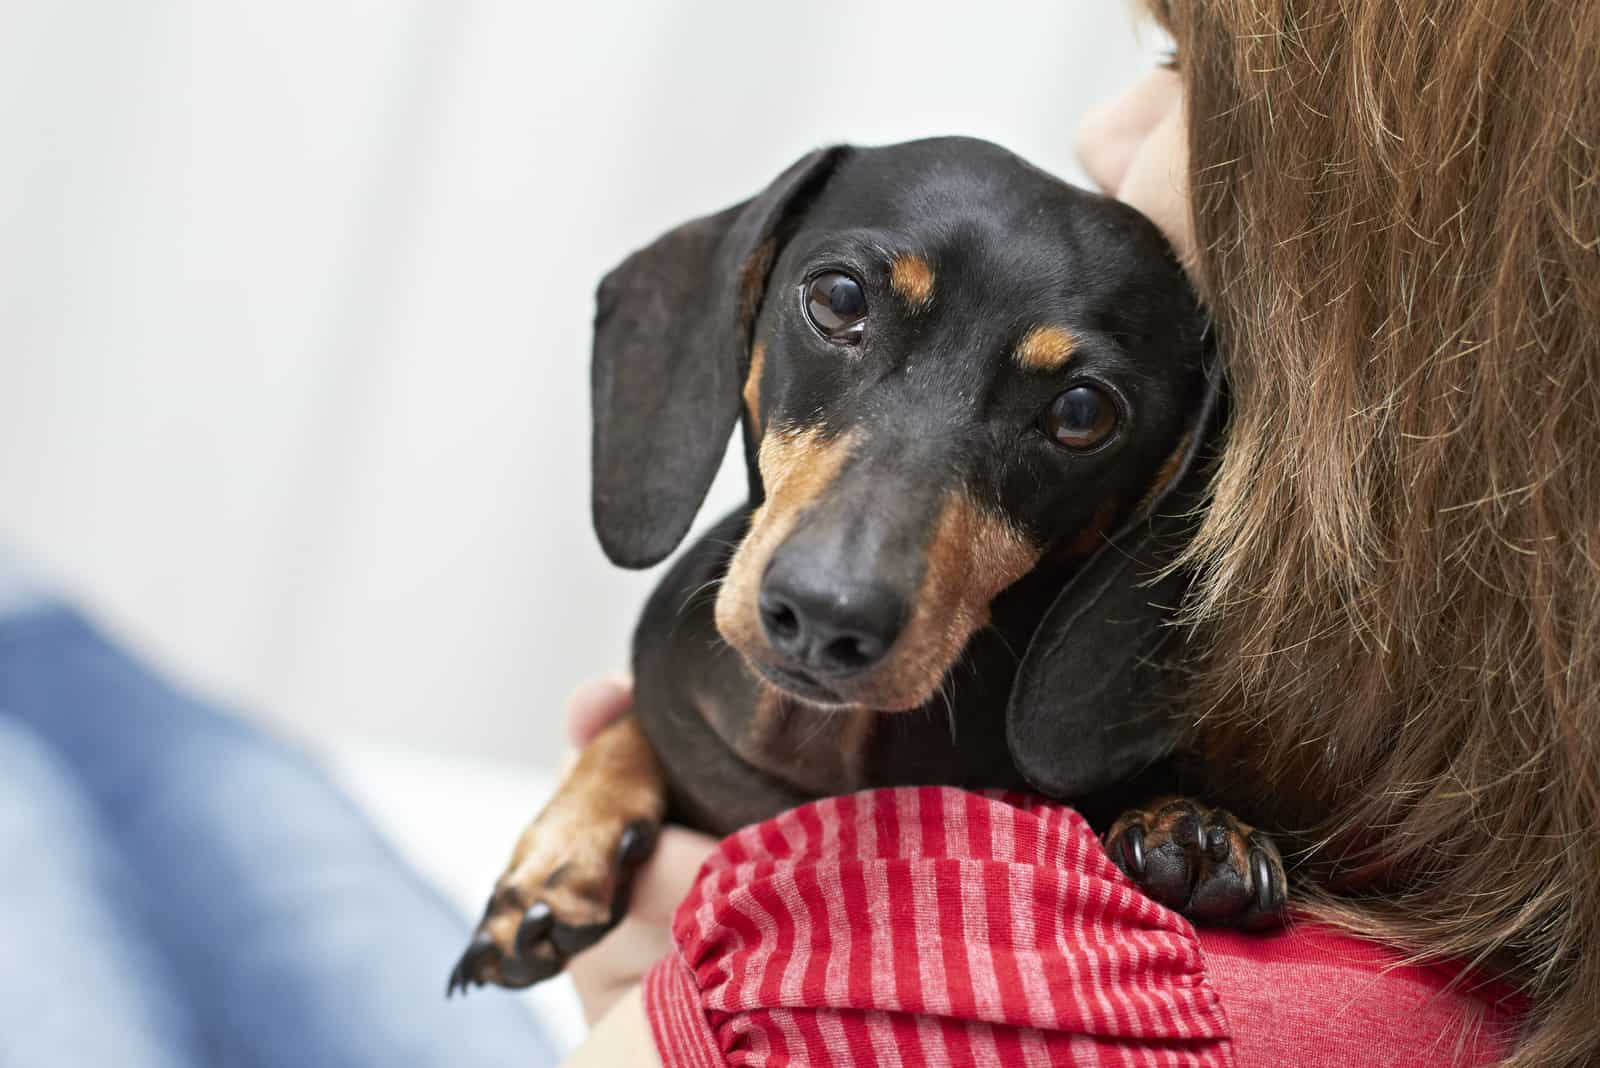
(671, 350)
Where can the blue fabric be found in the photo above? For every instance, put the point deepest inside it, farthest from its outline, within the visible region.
(181, 889)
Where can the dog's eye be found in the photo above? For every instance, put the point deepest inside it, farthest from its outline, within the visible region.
(837, 306)
(1080, 418)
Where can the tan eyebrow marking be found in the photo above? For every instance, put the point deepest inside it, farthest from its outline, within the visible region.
(752, 386)
(912, 278)
(1045, 348)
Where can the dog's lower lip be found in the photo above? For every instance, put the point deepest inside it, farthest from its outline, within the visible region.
(801, 685)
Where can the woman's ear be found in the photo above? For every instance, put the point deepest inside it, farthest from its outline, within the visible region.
(1091, 705)
(671, 348)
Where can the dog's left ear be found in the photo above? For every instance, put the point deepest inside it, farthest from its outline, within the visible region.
(671, 349)
(1092, 703)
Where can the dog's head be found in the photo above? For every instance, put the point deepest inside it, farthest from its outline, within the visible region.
(949, 367)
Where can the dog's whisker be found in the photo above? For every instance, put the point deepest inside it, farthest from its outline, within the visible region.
(827, 714)
(946, 691)
(1010, 649)
(692, 598)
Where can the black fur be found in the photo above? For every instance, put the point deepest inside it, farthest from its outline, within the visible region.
(1074, 654)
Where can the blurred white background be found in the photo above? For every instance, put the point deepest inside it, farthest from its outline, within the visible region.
(295, 301)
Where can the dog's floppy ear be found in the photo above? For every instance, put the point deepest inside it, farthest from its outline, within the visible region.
(671, 348)
(1091, 704)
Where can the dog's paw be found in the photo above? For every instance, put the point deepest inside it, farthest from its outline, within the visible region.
(572, 872)
(1201, 862)
(568, 885)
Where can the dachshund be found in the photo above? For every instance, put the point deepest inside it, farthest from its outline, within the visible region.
(975, 404)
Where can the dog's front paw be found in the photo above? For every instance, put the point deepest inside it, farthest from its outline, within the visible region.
(570, 886)
(1201, 862)
(571, 874)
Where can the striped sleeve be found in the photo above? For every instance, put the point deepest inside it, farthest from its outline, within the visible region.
(928, 926)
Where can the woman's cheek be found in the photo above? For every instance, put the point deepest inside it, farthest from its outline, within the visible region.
(1157, 180)
(1109, 134)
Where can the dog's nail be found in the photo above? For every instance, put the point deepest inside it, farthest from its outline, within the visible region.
(1132, 849)
(469, 968)
(637, 843)
(457, 982)
(1266, 885)
(535, 927)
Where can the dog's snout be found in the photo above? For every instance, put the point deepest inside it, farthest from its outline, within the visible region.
(830, 627)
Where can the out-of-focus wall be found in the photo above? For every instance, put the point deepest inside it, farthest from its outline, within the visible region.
(295, 301)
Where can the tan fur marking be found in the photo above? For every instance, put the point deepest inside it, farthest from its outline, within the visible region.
(753, 280)
(1093, 536)
(797, 465)
(912, 277)
(1164, 477)
(752, 386)
(1045, 348)
(972, 555)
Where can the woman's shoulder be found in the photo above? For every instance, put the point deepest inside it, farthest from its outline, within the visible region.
(996, 920)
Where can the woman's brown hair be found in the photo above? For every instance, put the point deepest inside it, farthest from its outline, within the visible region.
(1396, 208)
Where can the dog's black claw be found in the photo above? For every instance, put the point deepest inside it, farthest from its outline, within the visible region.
(1130, 852)
(1268, 900)
(638, 842)
(537, 924)
(467, 971)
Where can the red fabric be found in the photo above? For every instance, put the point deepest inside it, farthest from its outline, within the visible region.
(930, 926)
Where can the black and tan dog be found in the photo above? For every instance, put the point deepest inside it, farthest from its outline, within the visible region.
(971, 397)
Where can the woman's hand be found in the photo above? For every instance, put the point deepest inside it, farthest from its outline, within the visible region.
(616, 963)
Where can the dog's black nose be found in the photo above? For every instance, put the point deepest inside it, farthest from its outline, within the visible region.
(829, 628)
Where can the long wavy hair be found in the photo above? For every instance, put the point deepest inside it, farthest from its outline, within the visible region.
(1396, 208)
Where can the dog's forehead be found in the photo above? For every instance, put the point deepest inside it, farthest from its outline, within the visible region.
(980, 215)
(919, 187)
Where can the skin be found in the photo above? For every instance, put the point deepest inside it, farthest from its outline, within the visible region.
(1133, 146)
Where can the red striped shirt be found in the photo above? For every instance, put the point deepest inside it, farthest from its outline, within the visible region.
(929, 926)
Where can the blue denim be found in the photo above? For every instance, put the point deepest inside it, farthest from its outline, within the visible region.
(180, 889)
